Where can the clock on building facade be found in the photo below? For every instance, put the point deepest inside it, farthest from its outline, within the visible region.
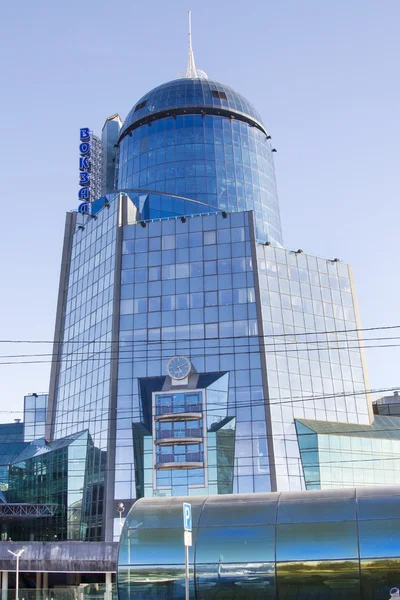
(179, 367)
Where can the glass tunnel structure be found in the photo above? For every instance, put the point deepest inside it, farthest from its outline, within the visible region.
(325, 545)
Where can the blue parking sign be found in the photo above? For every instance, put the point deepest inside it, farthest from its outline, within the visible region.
(187, 516)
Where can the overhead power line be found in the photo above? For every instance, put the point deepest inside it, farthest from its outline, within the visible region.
(123, 345)
(278, 461)
(285, 399)
(135, 413)
(280, 335)
(115, 356)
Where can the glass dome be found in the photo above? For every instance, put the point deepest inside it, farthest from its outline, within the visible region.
(199, 140)
(191, 93)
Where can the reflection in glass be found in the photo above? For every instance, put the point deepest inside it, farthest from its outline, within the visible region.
(314, 541)
(153, 515)
(378, 577)
(155, 583)
(150, 546)
(379, 538)
(317, 509)
(330, 580)
(378, 507)
(255, 580)
(252, 512)
(235, 544)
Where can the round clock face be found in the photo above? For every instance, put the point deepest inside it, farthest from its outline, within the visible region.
(179, 367)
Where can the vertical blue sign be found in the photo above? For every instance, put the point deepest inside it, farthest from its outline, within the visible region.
(84, 164)
(83, 208)
(187, 516)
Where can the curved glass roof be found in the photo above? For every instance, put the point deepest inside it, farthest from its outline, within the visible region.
(186, 93)
(316, 544)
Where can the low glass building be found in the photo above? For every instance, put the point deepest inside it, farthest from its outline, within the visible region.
(329, 545)
(387, 405)
(60, 473)
(337, 455)
(11, 444)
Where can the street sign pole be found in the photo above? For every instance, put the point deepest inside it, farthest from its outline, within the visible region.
(186, 572)
(187, 536)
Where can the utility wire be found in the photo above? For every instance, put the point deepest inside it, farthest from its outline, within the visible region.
(123, 345)
(71, 357)
(351, 344)
(261, 436)
(255, 402)
(324, 332)
(277, 462)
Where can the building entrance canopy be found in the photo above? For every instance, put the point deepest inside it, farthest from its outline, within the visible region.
(69, 557)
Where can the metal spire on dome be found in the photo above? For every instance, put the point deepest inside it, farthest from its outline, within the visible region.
(191, 67)
(191, 71)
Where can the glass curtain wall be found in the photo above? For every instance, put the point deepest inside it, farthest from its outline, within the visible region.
(83, 380)
(222, 159)
(11, 444)
(221, 162)
(187, 289)
(313, 352)
(336, 455)
(195, 93)
(53, 474)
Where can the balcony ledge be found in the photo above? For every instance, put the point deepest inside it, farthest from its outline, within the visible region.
(178, 441)
(183, 416)
(180, 465)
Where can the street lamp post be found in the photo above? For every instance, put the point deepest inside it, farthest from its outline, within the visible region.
(17, 556)
(120, 509)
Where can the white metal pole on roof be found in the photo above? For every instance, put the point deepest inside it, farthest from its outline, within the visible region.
(191, 67)
(17, 556)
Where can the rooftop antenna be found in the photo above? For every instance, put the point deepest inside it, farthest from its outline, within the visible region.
(191, 72)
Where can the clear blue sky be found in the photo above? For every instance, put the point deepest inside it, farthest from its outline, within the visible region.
(323, 75)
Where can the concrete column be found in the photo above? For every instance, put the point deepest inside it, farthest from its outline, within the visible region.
(108, 594)
(38, 581)
(45, 581)
(4, 585)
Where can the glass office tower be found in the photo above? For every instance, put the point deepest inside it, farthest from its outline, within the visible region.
(188, 340)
